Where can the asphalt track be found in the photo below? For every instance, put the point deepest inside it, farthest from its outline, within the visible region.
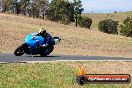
(11, 58)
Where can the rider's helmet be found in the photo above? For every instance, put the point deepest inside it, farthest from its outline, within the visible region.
(43, 32)
(41, 29)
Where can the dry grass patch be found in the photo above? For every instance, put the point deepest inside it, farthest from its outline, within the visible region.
(97, 17)
(75, 41)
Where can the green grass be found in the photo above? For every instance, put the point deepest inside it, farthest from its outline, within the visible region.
(45, 75)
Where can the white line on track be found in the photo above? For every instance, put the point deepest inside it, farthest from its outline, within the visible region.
(74, 61)
(66, 61)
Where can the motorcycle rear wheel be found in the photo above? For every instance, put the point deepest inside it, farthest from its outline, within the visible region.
(44, 54)
(19, 51)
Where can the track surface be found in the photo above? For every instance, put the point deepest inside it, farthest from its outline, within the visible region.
(11, 58)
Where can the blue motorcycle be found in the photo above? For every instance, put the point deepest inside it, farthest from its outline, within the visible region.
(33, 45)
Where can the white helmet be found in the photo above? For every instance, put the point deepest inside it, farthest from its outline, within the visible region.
(41, 29)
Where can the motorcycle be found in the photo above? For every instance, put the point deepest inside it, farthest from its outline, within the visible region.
(33, 45)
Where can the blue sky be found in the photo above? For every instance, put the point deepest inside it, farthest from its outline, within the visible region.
(106, 5)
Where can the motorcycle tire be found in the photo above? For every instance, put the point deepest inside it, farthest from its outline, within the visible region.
(19, 51)
(43, 54)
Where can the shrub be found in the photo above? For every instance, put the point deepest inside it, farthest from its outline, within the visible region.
(85, 22)
(126, 27)
(108, 26)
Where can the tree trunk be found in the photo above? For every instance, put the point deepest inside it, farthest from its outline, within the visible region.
(76, 21)
(5, 8)
(43, 16)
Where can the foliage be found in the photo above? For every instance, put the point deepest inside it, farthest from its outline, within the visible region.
(23, 7)
(77, 10)
(62, 11)
(14, 7)
(126, 27)
(59, 11)
(34, 8)
(85, 22)
(6, 4)
(42, 6)
(108, 26)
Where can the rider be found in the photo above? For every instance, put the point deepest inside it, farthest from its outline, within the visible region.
(47, 37)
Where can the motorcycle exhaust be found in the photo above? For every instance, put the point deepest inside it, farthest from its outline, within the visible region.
(57, 39)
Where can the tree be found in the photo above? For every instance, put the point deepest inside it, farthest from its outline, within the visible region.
(23, 6)
(17, 8)
(6, 4)
(59, 11)
(34, 11)
(77, 10)
(35, 8)
(126, 27)
(14, 7)
(42, 6)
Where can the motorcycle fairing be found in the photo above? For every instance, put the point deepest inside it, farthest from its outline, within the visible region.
(33, 42)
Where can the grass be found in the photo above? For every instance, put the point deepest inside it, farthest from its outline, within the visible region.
(58, 74)
(96, 17)
(75, 41)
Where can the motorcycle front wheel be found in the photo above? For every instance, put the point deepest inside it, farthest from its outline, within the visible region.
(19, 51)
